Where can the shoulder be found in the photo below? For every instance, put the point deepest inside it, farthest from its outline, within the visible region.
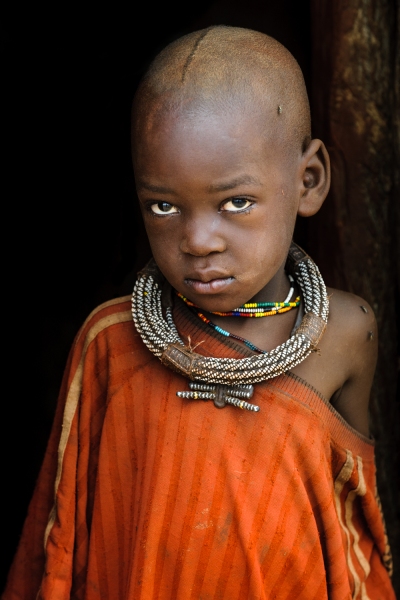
(352, 326)
(109, 308)
(108, 342)
(107, 326)
(96, 341)
(343, 368)
(353, 311)
(104, 316)
(352, 347)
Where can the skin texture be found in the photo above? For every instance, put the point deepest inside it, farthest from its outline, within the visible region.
(219, 193)
(221, 68)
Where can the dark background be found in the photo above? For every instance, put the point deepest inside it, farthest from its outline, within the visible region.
(73, 234)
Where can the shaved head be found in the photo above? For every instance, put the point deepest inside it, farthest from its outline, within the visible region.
(223, 164)
(225, 70)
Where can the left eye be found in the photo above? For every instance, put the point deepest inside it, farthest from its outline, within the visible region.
(163, 208)
(236, 204)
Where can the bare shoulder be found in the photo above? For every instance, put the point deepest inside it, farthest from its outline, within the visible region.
(343, 369)
(352, 337)
(352, 326)
(353, 320)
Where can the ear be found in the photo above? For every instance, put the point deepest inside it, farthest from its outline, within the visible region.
(315, 178)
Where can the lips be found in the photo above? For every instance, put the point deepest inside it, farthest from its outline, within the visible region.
(209, 283)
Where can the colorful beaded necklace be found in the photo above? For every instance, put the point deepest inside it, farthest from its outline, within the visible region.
(231, 335)
(255, 309)
(250, 309)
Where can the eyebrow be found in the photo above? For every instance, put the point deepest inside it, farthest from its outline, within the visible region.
(230, 185)
(157, 189)
(218, 187)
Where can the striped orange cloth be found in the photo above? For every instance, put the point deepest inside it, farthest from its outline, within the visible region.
(161, 497)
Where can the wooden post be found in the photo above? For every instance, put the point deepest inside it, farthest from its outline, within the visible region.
(356, 237)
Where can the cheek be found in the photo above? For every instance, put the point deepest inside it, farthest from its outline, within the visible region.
(270, 238)
(159, 234)
(272, 228)
(163, 243)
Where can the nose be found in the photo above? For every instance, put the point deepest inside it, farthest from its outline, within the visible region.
(202, 236)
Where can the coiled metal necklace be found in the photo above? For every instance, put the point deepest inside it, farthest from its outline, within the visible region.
(229, 380)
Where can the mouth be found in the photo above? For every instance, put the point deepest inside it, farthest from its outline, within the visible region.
(209, 285)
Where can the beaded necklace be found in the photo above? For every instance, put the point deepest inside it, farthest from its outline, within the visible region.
(229, 334)
(255, 309)
(228, 380)
(247, 310)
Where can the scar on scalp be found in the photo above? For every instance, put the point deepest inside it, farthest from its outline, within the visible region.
(192, 54)
(363, 308)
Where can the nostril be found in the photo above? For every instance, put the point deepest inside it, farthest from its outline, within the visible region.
(202, 245)
(201, 238)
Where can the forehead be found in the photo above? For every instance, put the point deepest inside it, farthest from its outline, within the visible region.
(209, 139)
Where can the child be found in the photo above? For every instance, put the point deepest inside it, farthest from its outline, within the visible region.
(153, 488)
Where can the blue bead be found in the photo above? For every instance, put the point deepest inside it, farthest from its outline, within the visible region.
(222, 331)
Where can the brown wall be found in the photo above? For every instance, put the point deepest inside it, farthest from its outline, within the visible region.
(355, 239)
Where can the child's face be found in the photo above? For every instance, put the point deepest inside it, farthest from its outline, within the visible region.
(219, 200)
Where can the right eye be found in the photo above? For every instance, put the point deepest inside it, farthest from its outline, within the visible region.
(163, 208)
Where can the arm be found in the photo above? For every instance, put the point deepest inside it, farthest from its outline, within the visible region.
(342, 369)
(358, 345)
(28, 566)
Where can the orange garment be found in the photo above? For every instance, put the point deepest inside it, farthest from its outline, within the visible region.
(162, 497)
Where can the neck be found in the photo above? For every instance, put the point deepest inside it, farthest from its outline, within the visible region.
(265, 333)
(275, 290)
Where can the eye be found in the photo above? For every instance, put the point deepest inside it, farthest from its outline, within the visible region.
(236, 204)
(163, 208)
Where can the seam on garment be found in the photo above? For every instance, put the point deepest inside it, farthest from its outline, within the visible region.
(95, 311)
(343, 477)
(73, 399)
